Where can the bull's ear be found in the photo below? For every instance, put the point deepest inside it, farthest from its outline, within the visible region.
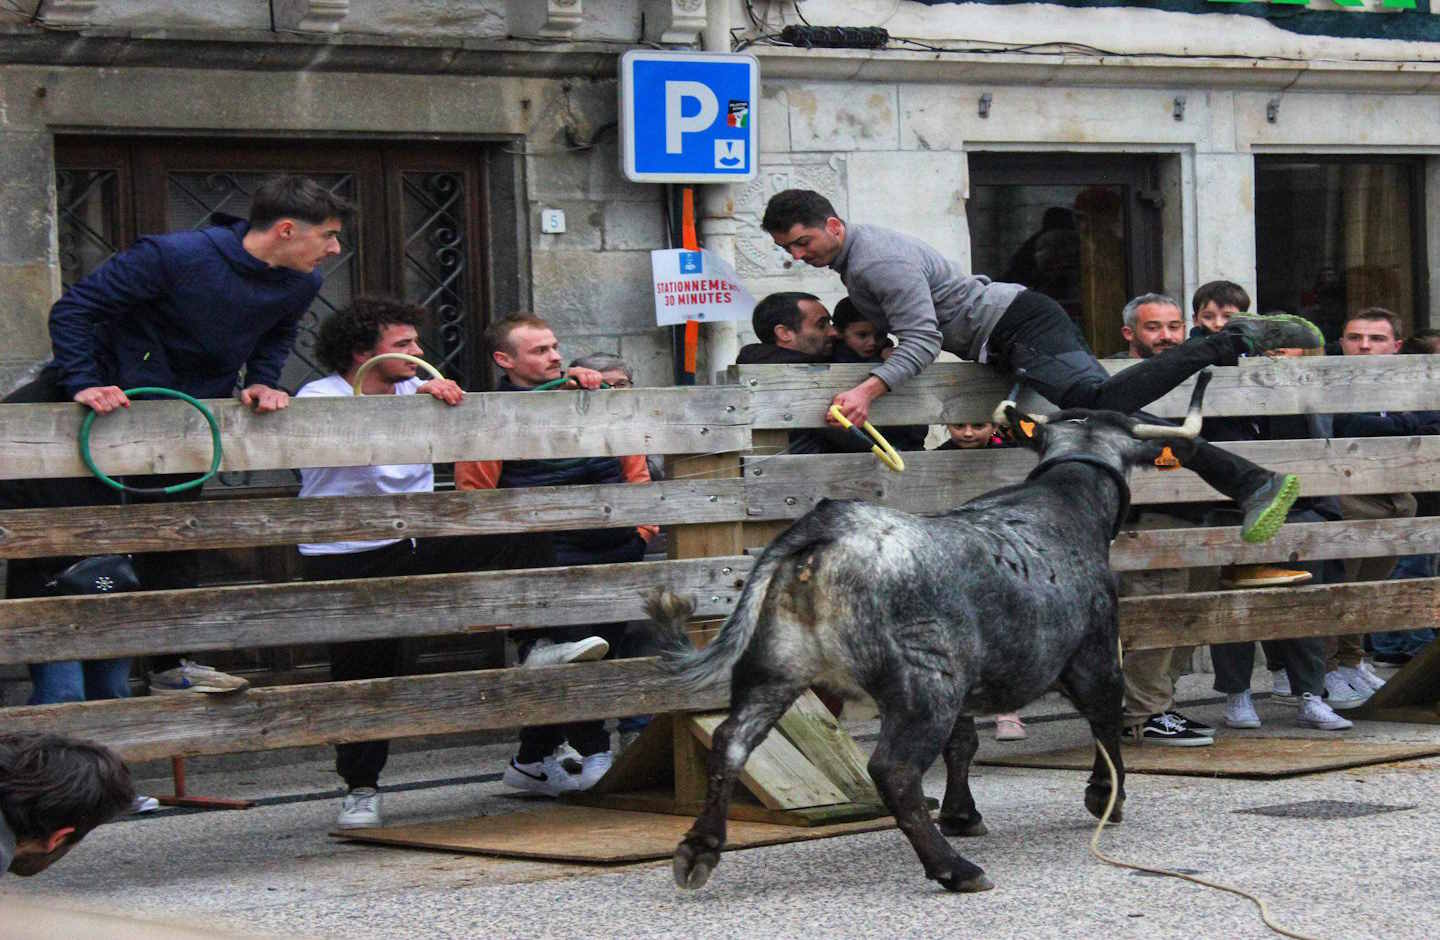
(1025, 430)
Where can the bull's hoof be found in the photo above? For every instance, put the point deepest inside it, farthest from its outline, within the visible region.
(695, 859)
(1097, 797)
(968, 826)
(966, 884)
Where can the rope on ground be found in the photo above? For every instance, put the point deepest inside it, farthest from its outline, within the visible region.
(1095, 851)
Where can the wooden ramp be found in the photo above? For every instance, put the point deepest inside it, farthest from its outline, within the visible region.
(1253, 758)
(807, 771)
(1412, 694)
(588, 834)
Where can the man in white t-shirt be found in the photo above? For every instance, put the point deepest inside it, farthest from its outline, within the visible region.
(368, 327)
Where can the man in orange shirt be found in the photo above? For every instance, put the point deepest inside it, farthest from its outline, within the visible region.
(524, 347)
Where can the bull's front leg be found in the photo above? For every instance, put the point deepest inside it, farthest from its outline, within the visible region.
(958, 815)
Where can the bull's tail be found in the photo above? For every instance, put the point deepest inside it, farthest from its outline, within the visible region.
(697, 669)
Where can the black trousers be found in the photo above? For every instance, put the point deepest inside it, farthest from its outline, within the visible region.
(1036, 340)
(1302, 658)
(26, 577)
(586, 737)
(359, 763)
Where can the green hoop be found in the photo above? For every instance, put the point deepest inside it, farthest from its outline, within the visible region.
(560, 383)
(215, 446)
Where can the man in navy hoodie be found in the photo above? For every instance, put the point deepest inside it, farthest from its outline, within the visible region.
(188, 311)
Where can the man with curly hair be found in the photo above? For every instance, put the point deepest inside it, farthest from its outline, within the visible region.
(368, 327)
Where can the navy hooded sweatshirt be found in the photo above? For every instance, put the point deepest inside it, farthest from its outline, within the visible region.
(187, 311)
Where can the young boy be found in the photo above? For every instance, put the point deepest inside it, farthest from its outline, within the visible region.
(974, 436)
(861, 340)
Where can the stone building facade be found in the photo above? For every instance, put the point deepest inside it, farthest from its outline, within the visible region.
(453, 122)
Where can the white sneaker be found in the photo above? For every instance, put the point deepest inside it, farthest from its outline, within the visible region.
(1341, 694)
(361, 809)
(1361, 679)
(596, 766)
(1280, 688)
(545, 653)
(543, 776)
(569, 758)
(195, 677)
(1314, 713)
(144, 804)
(1240, 711)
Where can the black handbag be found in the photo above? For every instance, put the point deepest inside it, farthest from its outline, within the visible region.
(98, 574)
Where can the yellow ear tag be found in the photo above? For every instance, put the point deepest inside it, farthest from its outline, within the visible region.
(1167, 460)
(1027, 427)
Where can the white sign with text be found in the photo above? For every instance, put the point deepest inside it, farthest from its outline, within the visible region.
(696, 285)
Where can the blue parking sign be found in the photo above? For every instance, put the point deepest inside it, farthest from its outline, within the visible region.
(688, 117)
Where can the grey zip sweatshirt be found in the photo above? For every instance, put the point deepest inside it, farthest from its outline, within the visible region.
(923, 298)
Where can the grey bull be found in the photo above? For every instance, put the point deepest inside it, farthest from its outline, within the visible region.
(977, 611)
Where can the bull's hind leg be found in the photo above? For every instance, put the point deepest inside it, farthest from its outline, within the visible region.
(909, 744)
(756, 704)
(958, 815)
(1093, 682)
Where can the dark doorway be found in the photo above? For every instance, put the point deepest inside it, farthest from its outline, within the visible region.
(1082, 228)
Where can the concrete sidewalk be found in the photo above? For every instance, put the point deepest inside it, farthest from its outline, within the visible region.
(272, 870)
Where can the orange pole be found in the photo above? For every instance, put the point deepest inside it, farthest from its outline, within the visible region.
(690, 242)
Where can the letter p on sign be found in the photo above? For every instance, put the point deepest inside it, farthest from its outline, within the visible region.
(688, 117)
(677, 125)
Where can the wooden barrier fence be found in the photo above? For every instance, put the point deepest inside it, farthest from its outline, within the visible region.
(727, 492)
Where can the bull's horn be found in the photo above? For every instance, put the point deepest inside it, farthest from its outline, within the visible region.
(1190, 428)
(1000, 417)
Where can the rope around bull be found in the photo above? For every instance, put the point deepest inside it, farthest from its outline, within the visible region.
(1166, 872)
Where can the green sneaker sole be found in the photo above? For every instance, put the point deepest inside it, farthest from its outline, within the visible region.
(1272, 517)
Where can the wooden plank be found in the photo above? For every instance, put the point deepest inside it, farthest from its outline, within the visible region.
(776, 773)
(171, 437)
(742, 806)
(1158, 549)
(809, 726)
(239, 523)
(797, 396)
(586, 834)
(1414, 687)
(936, 481)
(1162, 621)
(160, 726)
(102, 626)
(705, 540)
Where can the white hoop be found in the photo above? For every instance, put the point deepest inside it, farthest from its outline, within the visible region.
(360, 373)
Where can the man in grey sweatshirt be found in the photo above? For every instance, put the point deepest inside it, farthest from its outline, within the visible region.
(930, 304)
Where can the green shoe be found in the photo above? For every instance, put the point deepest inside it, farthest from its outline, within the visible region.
(1276, 331)
(1266, 508)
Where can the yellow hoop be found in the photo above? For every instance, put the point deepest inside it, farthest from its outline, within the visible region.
(881, 448)
(360, 373)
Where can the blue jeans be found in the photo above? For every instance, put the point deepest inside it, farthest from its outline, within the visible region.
(1407, 641)
(75, 681)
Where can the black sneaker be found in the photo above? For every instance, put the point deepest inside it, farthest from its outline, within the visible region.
(1191, 723)
(1166, 730)
(1277, 331)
